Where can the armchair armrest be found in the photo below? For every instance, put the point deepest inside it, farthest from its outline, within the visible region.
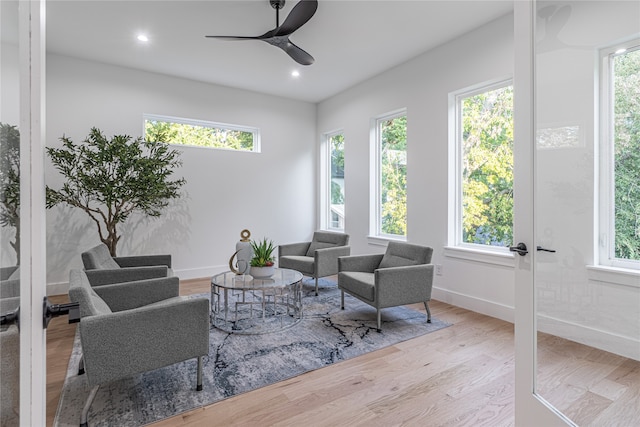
(143, 260)
(6, 272)
(127, 274)
(120, 344)
(299, 249)
(403, 285)
(326, 259)
(128, 295)
(363, 263)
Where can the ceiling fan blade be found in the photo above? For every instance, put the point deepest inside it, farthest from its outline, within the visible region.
(299, 15)
(298, 55)
(234, 37)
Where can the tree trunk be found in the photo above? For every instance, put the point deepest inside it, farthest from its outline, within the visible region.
(112, 241)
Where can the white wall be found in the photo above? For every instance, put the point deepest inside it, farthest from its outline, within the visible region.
(271, 193)
(588, 309)
(422, 85)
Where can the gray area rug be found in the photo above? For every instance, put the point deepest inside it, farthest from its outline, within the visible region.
(240, 363)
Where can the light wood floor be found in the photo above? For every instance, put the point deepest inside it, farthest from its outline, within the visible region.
(462, 375)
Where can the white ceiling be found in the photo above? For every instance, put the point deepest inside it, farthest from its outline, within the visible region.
(351, 41)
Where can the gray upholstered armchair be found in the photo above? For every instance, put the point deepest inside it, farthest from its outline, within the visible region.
(317, 258)
(128, 329)
(10, 282)
(101, 267)
(402, 275)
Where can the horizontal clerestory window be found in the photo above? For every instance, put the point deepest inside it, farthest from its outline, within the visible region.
(199, 133)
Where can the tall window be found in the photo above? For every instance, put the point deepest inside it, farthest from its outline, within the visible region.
(620, 148)
(198, 133)
(391, 171)
(484, 147)
(335, 185)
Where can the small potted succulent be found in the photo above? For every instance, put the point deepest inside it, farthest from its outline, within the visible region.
(262, 265)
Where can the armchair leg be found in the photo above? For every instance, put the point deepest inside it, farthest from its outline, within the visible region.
(341, 299)
(87, 406)
(199, 379)
(379, 315)
(316, 286)
(426, 305)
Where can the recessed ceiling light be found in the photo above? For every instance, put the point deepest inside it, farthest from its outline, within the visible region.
(295, 73)
(619, 51)
(143, 38)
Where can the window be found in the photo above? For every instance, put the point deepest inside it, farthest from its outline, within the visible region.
(620, 157)
(391, 175)
(199, 133)
(483, 138)
(335, 184)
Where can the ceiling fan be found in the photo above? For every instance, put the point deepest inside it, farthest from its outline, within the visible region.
(279, 36)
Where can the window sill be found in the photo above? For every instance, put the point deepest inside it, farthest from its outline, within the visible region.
(382, 241)
(481, 256)
(615, 275)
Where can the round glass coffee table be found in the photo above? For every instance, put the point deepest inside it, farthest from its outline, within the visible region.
(242, 304)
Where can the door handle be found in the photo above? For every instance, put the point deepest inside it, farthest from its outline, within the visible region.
(540, 248)
(10, 318)
(50, 311)
(520, 248)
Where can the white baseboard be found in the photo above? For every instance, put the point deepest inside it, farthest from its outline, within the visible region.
(607, 341)
(198, 273)
(479, 305)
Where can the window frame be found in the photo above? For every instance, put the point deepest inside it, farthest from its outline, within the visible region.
(375, 209)
(209, 124)
(325, 176)
(605, 200)
(456, 246)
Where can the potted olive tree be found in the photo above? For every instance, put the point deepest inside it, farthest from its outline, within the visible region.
(109, 179)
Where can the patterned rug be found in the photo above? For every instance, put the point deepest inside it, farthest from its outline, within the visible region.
(240, 363)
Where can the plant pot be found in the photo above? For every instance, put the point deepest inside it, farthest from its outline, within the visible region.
(262, 272)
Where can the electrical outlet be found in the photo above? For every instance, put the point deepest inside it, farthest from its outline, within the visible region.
(439, 269)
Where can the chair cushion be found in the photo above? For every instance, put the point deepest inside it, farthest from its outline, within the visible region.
(303, 264)
(400, 254)
(326, 239)
(99, 257)
(358, 283)
(80, 291)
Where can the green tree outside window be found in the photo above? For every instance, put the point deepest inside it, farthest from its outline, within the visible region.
(487, 167)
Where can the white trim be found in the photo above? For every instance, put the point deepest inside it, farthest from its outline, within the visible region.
(383, 240)
(208, 124)
(478, 305)
(455, 152)
(325, 180)
(375, 222)
(501, 258)
(605, 167)
(589, 336)
(31, 40)
(613, 275)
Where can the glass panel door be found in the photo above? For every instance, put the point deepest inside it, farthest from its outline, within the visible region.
(9, 214)
(587, 311)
